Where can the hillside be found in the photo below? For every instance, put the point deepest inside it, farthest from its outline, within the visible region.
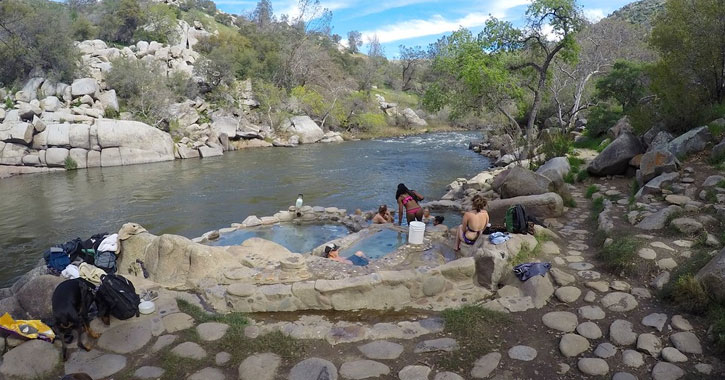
(640, 12)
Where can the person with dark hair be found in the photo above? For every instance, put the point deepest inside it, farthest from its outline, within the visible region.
(473, 223)
(438, 220)
(383, 215)
(332, 252)
(409, 199)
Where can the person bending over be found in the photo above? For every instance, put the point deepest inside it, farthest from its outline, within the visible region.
(409, 199)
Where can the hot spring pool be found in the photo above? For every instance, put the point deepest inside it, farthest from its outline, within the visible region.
(299, 238)
(378, 244)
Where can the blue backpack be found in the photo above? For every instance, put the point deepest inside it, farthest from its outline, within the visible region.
(57, 259)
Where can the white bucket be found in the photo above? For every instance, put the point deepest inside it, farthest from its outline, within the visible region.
(416, 232)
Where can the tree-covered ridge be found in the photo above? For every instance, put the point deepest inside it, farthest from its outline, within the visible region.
(641, 12)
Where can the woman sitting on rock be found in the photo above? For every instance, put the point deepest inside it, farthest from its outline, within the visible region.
(409, 199)
(473, 224)
(359, 258)
(383, 215)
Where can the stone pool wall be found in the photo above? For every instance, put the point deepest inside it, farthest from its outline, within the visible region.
(451, 284)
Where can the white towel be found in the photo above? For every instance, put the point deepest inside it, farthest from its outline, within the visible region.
(70, 272)
(109, 244)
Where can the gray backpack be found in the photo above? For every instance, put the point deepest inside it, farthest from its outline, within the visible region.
(106, 261)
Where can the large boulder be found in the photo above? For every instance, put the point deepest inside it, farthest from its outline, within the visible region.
(136, 142)
(17, 132)
(12, 154)
(693, 141)
(305, 128)
(84, 86)
(517, 181)
(658, 220)
(56, 156)
(34, 359)
(34, 297)
(542, 206)
(413, 119)
(555, 169)
(656, 185)
(614, 159)
(660, 141)
(712, 276)
(654, 163)
(109, 100)
(493, 261)
(622, 126)
(718, 151)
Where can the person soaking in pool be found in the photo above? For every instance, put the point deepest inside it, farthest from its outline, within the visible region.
(332, 252)
(409, 199)
(473, 223)
(383, 215)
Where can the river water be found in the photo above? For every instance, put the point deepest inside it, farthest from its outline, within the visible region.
(190, 197)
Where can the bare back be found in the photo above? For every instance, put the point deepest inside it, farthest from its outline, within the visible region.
(474, 223)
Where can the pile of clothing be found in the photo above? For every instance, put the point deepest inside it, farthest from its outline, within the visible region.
(88, 259)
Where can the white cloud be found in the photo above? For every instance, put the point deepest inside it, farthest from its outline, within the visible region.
(379, 8)
(594, 15)
(419, 28)
(291, 7)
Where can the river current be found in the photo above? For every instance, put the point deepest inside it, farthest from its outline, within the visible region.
(190, 197)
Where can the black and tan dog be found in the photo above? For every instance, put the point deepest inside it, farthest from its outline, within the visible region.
(72, 300)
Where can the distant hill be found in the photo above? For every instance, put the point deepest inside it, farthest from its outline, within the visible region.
(640, 12)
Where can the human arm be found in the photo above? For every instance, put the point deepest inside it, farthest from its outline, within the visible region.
(400, 211)
(417, 195)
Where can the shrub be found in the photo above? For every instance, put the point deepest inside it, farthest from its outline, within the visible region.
(475, 328)
(120, 20)
(591, 190)
(588, 142)
(556, 145)
(690, 295)
(110, 113)
(70, 163)
(601, 118)
(582, 176)
(621, 255)
(570, 177)
(597, 207)
(369, 121)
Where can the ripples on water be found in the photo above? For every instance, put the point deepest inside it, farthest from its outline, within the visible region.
(190, 197)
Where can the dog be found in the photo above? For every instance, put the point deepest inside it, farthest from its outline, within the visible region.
(77, 376)
(71, 301)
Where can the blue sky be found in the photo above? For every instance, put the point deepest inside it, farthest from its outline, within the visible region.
(415, 22)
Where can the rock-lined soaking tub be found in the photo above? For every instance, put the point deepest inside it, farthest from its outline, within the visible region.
(378, 244)
(296, 237)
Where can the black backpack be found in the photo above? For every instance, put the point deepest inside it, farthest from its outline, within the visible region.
(117, 297)
(516, 220)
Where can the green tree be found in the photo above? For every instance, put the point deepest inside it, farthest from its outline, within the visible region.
(35, 35)
(354, 41)
(627, 83)
(120, 20)
(690, 37)
(159, 24)
(263, 15)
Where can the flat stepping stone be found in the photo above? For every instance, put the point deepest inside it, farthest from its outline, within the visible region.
(581, 266)
(589, 274)
(568, 294)
(409, 372)
(381, 350)
(647, 253)
(666, 371)
(593, 366)
(574, 259)
(524, 353)
(656, 320)
(33, 359)
(95, 363)
(126, 338)
(208, 373)
(620, 286)
(661, 245)
(222, 358)
(624, 376)
(589, 330)
(313, 369)
(590, 297)
(591, 312)
(673, 355)
(149, 372)
(619, 302)
(686, 342)
(363, 369)
(560, 320)
(684, 243)
(447, 376)
(163, 342)
(704, 368)
(600, 286)
(434, 345)
(561, 278)
(574, 253)
(485, 365)
(177, 322)
(517, 304)
(667, 264)
(260, 367)
(650, 344)
(212, 331)
(572, 345)
(189, 350)
(549, 248)
(641, 293)
(632, 358)
(605, 350)
(679, 322)
(622, 333)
